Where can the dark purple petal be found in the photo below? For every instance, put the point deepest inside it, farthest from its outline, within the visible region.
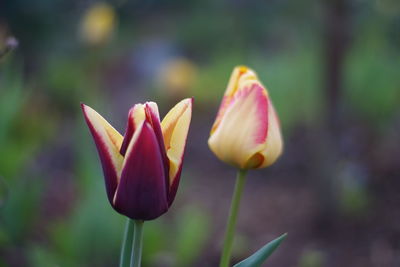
(154, 120)
(141, 193)
(130, 129)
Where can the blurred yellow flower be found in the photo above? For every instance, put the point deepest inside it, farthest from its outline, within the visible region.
(98, 24)
(177, 76)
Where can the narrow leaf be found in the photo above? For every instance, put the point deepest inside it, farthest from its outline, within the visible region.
(262, 254)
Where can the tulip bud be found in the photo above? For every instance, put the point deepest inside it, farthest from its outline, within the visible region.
(142, 169)
(246, 132)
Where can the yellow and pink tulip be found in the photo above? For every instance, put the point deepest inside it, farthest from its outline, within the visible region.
(247, 135)
(246, 132)
(142, 168)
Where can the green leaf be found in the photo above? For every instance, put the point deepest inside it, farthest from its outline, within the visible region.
(262, 254)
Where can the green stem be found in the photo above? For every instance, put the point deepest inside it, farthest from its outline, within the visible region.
(125, 257)
(136, 256)
(230, 230)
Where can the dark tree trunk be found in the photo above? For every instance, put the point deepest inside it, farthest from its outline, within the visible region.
(337, 30)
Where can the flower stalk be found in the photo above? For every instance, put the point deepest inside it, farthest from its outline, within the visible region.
(230, 230)
(126, 249)
(137, 245)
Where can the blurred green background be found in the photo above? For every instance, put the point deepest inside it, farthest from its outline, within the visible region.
(332, 69)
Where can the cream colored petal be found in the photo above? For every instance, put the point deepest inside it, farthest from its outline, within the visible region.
(108, 142)
(274, 145)
(175, 128)
(237, 73)
(243, 128)
(239, 76)
(248, 78)
(137, 114)
(106, 134)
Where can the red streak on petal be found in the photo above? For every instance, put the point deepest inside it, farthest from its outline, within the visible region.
(227, 99)
(262, 103)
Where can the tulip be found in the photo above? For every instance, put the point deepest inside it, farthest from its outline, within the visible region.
(246, 132)
(142, 169)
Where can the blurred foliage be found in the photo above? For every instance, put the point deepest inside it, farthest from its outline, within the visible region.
(192, 232)
(312, 258)
(372, 72)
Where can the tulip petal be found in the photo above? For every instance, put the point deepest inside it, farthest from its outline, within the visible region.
(239, 75)
(108, 142)
(243, 129)
(153, 117)
(145, 112)
(136, 116)
(141, 193)
(152, 106)
(175, 128)
(274, 145)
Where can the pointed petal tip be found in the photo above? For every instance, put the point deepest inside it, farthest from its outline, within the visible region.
(241, 68)
(85, 112)
(85, 109)
(83, 106)
(108, 142)
(188, 101)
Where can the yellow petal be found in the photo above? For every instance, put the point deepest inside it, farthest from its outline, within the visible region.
(274, 145)
(242, 131)
(175, 127)
(240, 75)
(137, 115)
(112, 138)
(108, 142)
